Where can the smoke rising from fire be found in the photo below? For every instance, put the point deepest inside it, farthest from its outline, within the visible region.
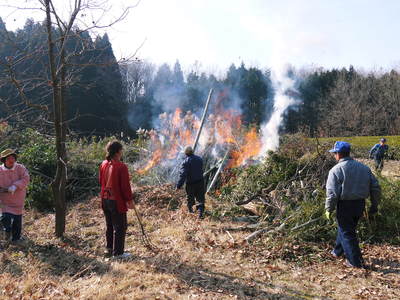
(229, 129)
(284, 87)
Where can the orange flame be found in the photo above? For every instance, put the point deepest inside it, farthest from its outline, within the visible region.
(176, 119)
(156, 158)
(225, 127)
(251, 148)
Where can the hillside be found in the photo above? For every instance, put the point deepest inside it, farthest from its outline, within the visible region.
(195, 260)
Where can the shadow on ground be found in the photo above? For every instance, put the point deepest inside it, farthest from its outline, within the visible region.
(57, 260)
(209, 281)
(385, 266)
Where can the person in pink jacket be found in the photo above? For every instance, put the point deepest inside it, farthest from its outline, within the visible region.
(14, 179)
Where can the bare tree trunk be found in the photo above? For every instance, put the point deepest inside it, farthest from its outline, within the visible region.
(59, 182)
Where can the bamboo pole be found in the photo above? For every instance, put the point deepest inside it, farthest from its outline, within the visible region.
(221, 166)
(202, 120)
(213, 168)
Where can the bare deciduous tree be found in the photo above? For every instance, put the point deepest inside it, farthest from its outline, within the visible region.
(62, 25)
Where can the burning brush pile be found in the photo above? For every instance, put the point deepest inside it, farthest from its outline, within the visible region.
(220, 138)
(283, 190)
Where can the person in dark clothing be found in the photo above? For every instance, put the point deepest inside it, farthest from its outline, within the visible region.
(378, 152)
(192, 173)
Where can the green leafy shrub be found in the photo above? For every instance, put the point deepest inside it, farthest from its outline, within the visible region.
(37, 152)
(290, 186)
(385, 226)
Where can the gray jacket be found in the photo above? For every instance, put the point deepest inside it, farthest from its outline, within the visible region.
(351, 180)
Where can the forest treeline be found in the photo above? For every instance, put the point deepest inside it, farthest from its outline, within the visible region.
(105, 96)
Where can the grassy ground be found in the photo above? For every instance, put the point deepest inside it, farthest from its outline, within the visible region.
(196, 260)
(365, 141)
(362, 144)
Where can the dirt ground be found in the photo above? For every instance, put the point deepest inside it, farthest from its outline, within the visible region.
(194, 260)
(391, 168)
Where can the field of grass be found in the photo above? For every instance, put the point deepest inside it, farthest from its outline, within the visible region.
(362, 144)
(365, 141)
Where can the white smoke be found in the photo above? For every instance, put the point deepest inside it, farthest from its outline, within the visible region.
(283, 86)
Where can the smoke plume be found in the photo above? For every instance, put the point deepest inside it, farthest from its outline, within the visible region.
(284, 87)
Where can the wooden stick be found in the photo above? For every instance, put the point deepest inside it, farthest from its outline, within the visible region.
(233, 240)
(305, 224)
(260, 232)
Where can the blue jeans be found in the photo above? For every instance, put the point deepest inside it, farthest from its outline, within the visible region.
(12, 223)
(348, 214)
(378, 163)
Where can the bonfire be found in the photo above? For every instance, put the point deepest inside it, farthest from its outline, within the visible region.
(221, 139)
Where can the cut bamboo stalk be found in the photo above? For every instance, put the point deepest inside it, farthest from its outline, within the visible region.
(202, 121)
(213, 168)
(221, 166)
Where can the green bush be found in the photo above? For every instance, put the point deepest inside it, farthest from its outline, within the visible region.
(85, 157)
(290, 184)
(37, 152)
(39, 194)
(385, 226)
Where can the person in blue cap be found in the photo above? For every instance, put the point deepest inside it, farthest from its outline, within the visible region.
(349, 183)
(378, 152)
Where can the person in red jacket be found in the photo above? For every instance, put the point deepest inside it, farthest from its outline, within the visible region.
(116, 198)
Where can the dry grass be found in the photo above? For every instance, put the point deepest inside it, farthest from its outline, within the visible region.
(197, 260)
(391, 167)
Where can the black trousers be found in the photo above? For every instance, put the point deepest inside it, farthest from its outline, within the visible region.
(12, 223)
(196, 193)
(116, 224)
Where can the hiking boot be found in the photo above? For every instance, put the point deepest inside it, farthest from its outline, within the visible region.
(190, 209)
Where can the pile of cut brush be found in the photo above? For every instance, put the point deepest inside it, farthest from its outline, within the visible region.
(161, 196)
(285, 191)
(286, 196)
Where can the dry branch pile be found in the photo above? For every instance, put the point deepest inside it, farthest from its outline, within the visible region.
(287, 193)
(285, 190)
(162, 196)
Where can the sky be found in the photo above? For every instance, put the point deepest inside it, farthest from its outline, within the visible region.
(262, 33)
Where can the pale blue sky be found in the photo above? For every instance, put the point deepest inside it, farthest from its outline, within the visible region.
(265, 33)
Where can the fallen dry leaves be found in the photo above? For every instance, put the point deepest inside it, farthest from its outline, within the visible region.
(197, 260)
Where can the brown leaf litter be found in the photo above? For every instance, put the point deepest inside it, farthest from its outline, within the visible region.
(197, 260)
